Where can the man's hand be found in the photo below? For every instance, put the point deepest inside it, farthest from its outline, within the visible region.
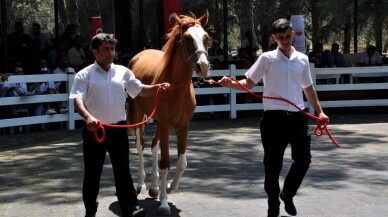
(4, 77)
(92, 124)
(164, 85)
(225, 82)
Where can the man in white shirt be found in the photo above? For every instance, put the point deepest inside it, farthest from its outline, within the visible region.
(99, 92)
(285, 73)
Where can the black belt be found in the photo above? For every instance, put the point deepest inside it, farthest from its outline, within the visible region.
(281, 112)
(120, 123)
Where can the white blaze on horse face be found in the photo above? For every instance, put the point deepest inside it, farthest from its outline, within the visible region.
(198, 34)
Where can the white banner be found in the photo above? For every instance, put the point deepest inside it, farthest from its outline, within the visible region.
(299, 38)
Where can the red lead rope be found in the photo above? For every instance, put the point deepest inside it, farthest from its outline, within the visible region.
(102, 125)
(321, 123)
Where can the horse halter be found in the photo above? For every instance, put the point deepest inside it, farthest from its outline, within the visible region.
(188, 56)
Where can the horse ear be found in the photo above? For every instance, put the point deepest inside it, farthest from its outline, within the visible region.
(177, 19)
(204, 18)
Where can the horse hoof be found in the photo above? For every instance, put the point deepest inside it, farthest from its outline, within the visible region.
(171, 189)
(141, 189)
(153, 192)
(164, 211)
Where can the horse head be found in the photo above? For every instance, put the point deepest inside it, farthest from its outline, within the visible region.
(193, 40)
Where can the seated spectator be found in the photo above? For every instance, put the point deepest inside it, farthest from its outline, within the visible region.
(62, 64)
(335, 58)
(48, 87)
(370, 57)
(20, 89)
(318, 57)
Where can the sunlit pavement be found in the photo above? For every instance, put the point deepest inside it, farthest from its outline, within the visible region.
(41, 173)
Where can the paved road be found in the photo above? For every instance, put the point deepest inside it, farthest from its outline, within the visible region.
(41, 173)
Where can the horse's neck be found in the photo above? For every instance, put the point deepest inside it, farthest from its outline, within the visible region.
(178, 70)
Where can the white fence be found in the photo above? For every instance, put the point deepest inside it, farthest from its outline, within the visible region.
(230, 105)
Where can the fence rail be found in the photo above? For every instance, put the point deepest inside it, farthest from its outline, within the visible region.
(230, 104)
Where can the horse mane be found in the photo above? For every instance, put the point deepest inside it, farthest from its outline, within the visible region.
(173, 38)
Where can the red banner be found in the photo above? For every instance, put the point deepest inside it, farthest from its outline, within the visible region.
(170, 7)
(96, 25)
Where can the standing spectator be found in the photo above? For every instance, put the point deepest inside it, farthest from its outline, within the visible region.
(67, 37)
(59, 49)
(317, 56)
(286, 74)
(335, 58)
(76, 54)
(95, 103)
(215, 49)
(370, 57)
(63, 64)
(250, 45)
(44, 38)
(19, 45)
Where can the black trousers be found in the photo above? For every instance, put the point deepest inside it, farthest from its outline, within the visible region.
(278, 129)
(117, 145)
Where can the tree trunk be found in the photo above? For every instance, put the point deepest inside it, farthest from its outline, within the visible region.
(265, 23)
(71, 11)
(378, 15)
(315, 14)
(245, 14)
(126, 24)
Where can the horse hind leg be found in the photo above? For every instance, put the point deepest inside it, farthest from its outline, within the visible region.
(141, 187)
(164, 208)
(181, 164)
(154, 188)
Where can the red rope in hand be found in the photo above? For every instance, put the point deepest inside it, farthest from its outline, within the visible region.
(102, 125)
(321, 122)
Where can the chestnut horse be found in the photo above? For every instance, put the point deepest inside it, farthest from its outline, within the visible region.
(185, 51)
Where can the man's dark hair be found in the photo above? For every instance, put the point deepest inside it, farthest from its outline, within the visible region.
(281, 25)
(36, 25)
(98, 39)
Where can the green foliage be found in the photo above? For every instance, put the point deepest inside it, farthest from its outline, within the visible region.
(30, 11)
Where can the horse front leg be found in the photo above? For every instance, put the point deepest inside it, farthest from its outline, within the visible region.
(141, 187)
(154, 188)
(164, 208)
(181, 164)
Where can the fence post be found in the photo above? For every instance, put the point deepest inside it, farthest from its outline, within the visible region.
(70, 102)
(314, 77)
(232, 94)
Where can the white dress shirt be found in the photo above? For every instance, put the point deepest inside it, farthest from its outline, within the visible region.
(104, 93)
(282, 77)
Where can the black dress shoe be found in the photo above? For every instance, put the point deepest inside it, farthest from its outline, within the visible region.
(273, 213)
(138, 213)
(90, 215)
(288, 205)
